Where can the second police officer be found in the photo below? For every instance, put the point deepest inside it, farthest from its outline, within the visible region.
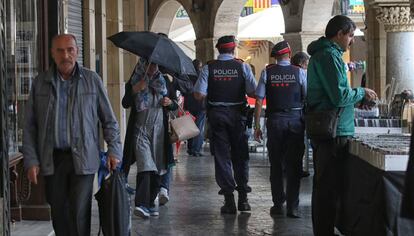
(284, 87)
(225, 83)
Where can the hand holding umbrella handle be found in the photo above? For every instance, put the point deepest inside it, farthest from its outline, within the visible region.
(166, 101)
(139, 86)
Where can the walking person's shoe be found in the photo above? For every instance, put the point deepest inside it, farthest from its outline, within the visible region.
(293, 213)
(229, 205)
(243, 203)
(130, 190)
(163, 197)
(276, 210)
(142, 212)
(153, 211)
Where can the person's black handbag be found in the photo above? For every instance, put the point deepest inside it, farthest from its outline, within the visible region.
(322, 124)
(114, 206)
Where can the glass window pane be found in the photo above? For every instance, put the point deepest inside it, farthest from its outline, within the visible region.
(22, 66)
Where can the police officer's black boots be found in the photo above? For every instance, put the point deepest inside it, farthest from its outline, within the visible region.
(243, 204)
(229, 205)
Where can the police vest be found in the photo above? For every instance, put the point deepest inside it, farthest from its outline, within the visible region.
(283, 90)
(226, 82)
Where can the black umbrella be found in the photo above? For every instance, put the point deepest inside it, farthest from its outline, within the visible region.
(155, 48)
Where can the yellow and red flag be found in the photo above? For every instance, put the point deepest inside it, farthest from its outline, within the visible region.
(259, 5)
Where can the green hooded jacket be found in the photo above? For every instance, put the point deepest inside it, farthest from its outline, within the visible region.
(328, 86)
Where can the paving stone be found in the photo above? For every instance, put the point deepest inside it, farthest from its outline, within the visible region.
(194, 206)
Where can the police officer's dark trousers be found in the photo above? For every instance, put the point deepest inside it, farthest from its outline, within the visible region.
(329, 162)
(286, 147)
(69, 196)
(230, 146)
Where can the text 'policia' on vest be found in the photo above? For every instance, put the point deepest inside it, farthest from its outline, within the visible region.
(223, 75)
(282, 88)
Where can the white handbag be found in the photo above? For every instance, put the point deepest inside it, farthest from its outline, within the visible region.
(183, 127)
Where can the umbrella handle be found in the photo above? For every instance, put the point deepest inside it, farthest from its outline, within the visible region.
(146, 69)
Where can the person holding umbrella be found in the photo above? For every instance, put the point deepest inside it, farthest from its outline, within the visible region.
(145, 94)
(225, 83)
(144, 88)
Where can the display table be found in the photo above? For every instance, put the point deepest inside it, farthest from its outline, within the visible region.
(373, 187)
(27, 201)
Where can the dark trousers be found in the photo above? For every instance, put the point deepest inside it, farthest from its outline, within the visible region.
(148, 186)
(286, 148)
(231, 155)
(70, 197)
(328, 181)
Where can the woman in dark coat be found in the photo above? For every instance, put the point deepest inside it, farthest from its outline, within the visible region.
(146, 95)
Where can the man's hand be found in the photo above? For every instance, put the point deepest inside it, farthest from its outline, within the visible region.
(370, 95)
(258, 136)
(32, 173)
(111, 162)
(369, 100)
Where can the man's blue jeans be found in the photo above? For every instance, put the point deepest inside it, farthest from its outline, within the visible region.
(195, 144)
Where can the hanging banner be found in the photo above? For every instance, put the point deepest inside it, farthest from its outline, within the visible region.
(249, 3)
(356, 7)
(275, 2)
(260, 5)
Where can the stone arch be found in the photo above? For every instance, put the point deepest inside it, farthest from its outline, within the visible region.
(316, 14)
(227, 17)
(163, 16)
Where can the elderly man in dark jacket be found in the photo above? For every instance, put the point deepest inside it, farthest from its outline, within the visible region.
(61, 136)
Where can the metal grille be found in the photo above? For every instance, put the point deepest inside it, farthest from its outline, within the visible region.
(5, 196)
(75, 21)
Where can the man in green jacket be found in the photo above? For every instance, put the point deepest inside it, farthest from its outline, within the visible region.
(328, 88)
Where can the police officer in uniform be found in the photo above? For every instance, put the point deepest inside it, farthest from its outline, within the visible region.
(224, 83)
(284, 87)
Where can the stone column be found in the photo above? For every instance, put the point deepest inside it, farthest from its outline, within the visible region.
(205, 50)
(63, 20)
(114, 24)
(299, 41)
(133, 21)
(89, 46)
(101, 46)
(400, 43)
(412, 8)
(376, 39)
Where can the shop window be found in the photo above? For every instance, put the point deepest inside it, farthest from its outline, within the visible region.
(22, 63)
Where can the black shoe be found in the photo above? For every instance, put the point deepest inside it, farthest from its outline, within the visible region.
(243, 203)
(229, 205)
(276, 210)
(293, 214)
(198, 154)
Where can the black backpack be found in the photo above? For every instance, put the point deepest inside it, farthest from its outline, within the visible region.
(114, 206)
